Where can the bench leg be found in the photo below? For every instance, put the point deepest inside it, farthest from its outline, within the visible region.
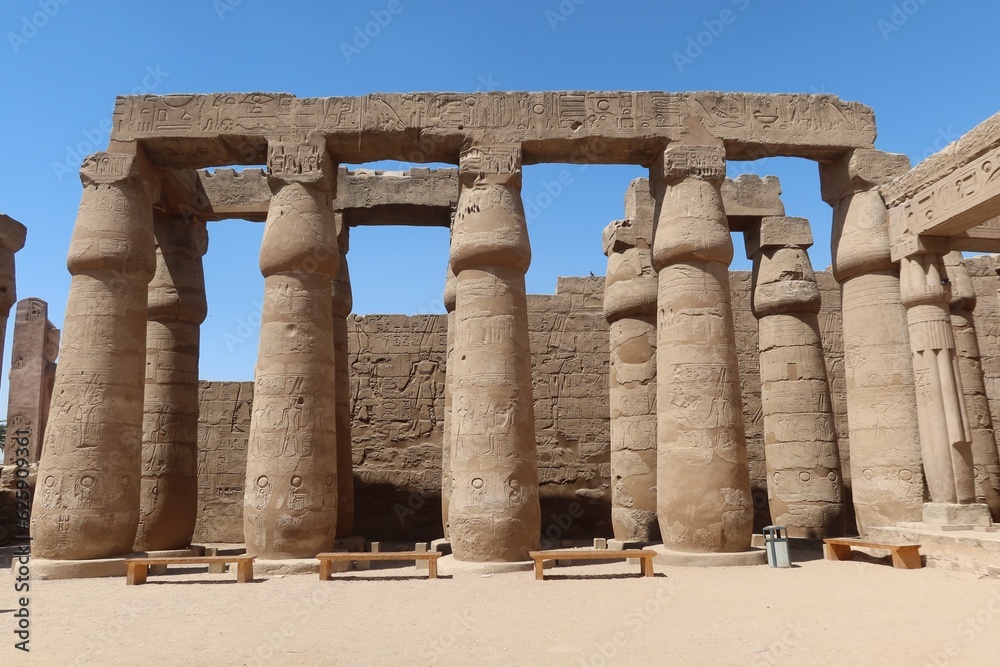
(432, 568)
(136, 574)
(837, 551)
(906, 558)
(325, 569)
(647, 566)
(244, 572)
(539, 570)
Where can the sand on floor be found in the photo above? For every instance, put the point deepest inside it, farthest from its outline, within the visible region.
(817, 613)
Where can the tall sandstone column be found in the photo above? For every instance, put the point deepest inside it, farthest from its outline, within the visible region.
(985, 457)
(28, 377)
(494, 514)
(343, 302)
(290, 502)
(805, 489)
(945, 435)
(703, 482)
(12, 236)
(87, 495)
(448, 441)
(176, 308)
(630, 308)
(886, 471)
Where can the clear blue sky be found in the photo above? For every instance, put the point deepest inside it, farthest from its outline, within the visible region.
(927, 67)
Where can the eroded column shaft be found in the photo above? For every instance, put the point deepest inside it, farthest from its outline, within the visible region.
(945, 436)
(630, 307)
(805, 489)
(12, 236)
(985, 457)
(176, 308)
(87, 495)
(494, 513)
(343, 302)
(290, 506)
(703, 482)
(886, 472)
(448, 441)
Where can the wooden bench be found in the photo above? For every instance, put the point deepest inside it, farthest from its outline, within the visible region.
(645, 556)
(326, 560)
(138, 568)
(904, 556)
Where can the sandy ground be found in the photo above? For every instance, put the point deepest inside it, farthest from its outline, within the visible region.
(818, 613)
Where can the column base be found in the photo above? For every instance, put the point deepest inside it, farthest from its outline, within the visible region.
(665, 556)
(44, 568)
(956, 516)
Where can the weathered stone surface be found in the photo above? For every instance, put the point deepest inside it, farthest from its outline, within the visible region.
(886, 468)
(343, 301)
(290, 495)
(800, 439)
(703, 486)
(12, 236)
(31, 372)
(176, 308)
(186, 131)
(493, 515)
(87, 500)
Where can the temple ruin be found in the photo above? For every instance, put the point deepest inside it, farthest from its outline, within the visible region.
(873, 431)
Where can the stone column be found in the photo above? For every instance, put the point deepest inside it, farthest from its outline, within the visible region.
(945, 435)
(87, 496)
(28, 365)
(494, 513)
(448, 443)
(886, 472)
(290, 506)
(12, 236)
(176, 308)
(703, 483)
(985, 457)
(805, 489)
(343, 302)
(630, 308)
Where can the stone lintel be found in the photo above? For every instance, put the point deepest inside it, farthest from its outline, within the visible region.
(418, 197)
(187, 131)
(920, 245)
(12, 233)
(777, 231)
(860, 169)
(749, 197)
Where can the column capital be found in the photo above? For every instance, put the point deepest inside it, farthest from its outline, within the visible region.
(682, 161)
(963, 293)
(301, 160)
(923, 281)
(12, 233)
(858, 170)
(497, 163)
(777, 231)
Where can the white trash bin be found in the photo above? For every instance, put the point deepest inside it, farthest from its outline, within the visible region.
(776, 543)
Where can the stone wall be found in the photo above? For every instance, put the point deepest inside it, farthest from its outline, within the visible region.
(397, 398)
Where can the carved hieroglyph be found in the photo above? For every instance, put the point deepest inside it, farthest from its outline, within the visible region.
(985, 457)
(30, 375)
(290, 497)
(176, 308)
(945, 435)
(343, 301)
(805, 491)
(446, 484)
(12, 235)
(703, 485)
(87, 497)
(630, 307)
(494, 513)
(886, 470)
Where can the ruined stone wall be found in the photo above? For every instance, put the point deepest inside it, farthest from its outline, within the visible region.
(986, 318)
